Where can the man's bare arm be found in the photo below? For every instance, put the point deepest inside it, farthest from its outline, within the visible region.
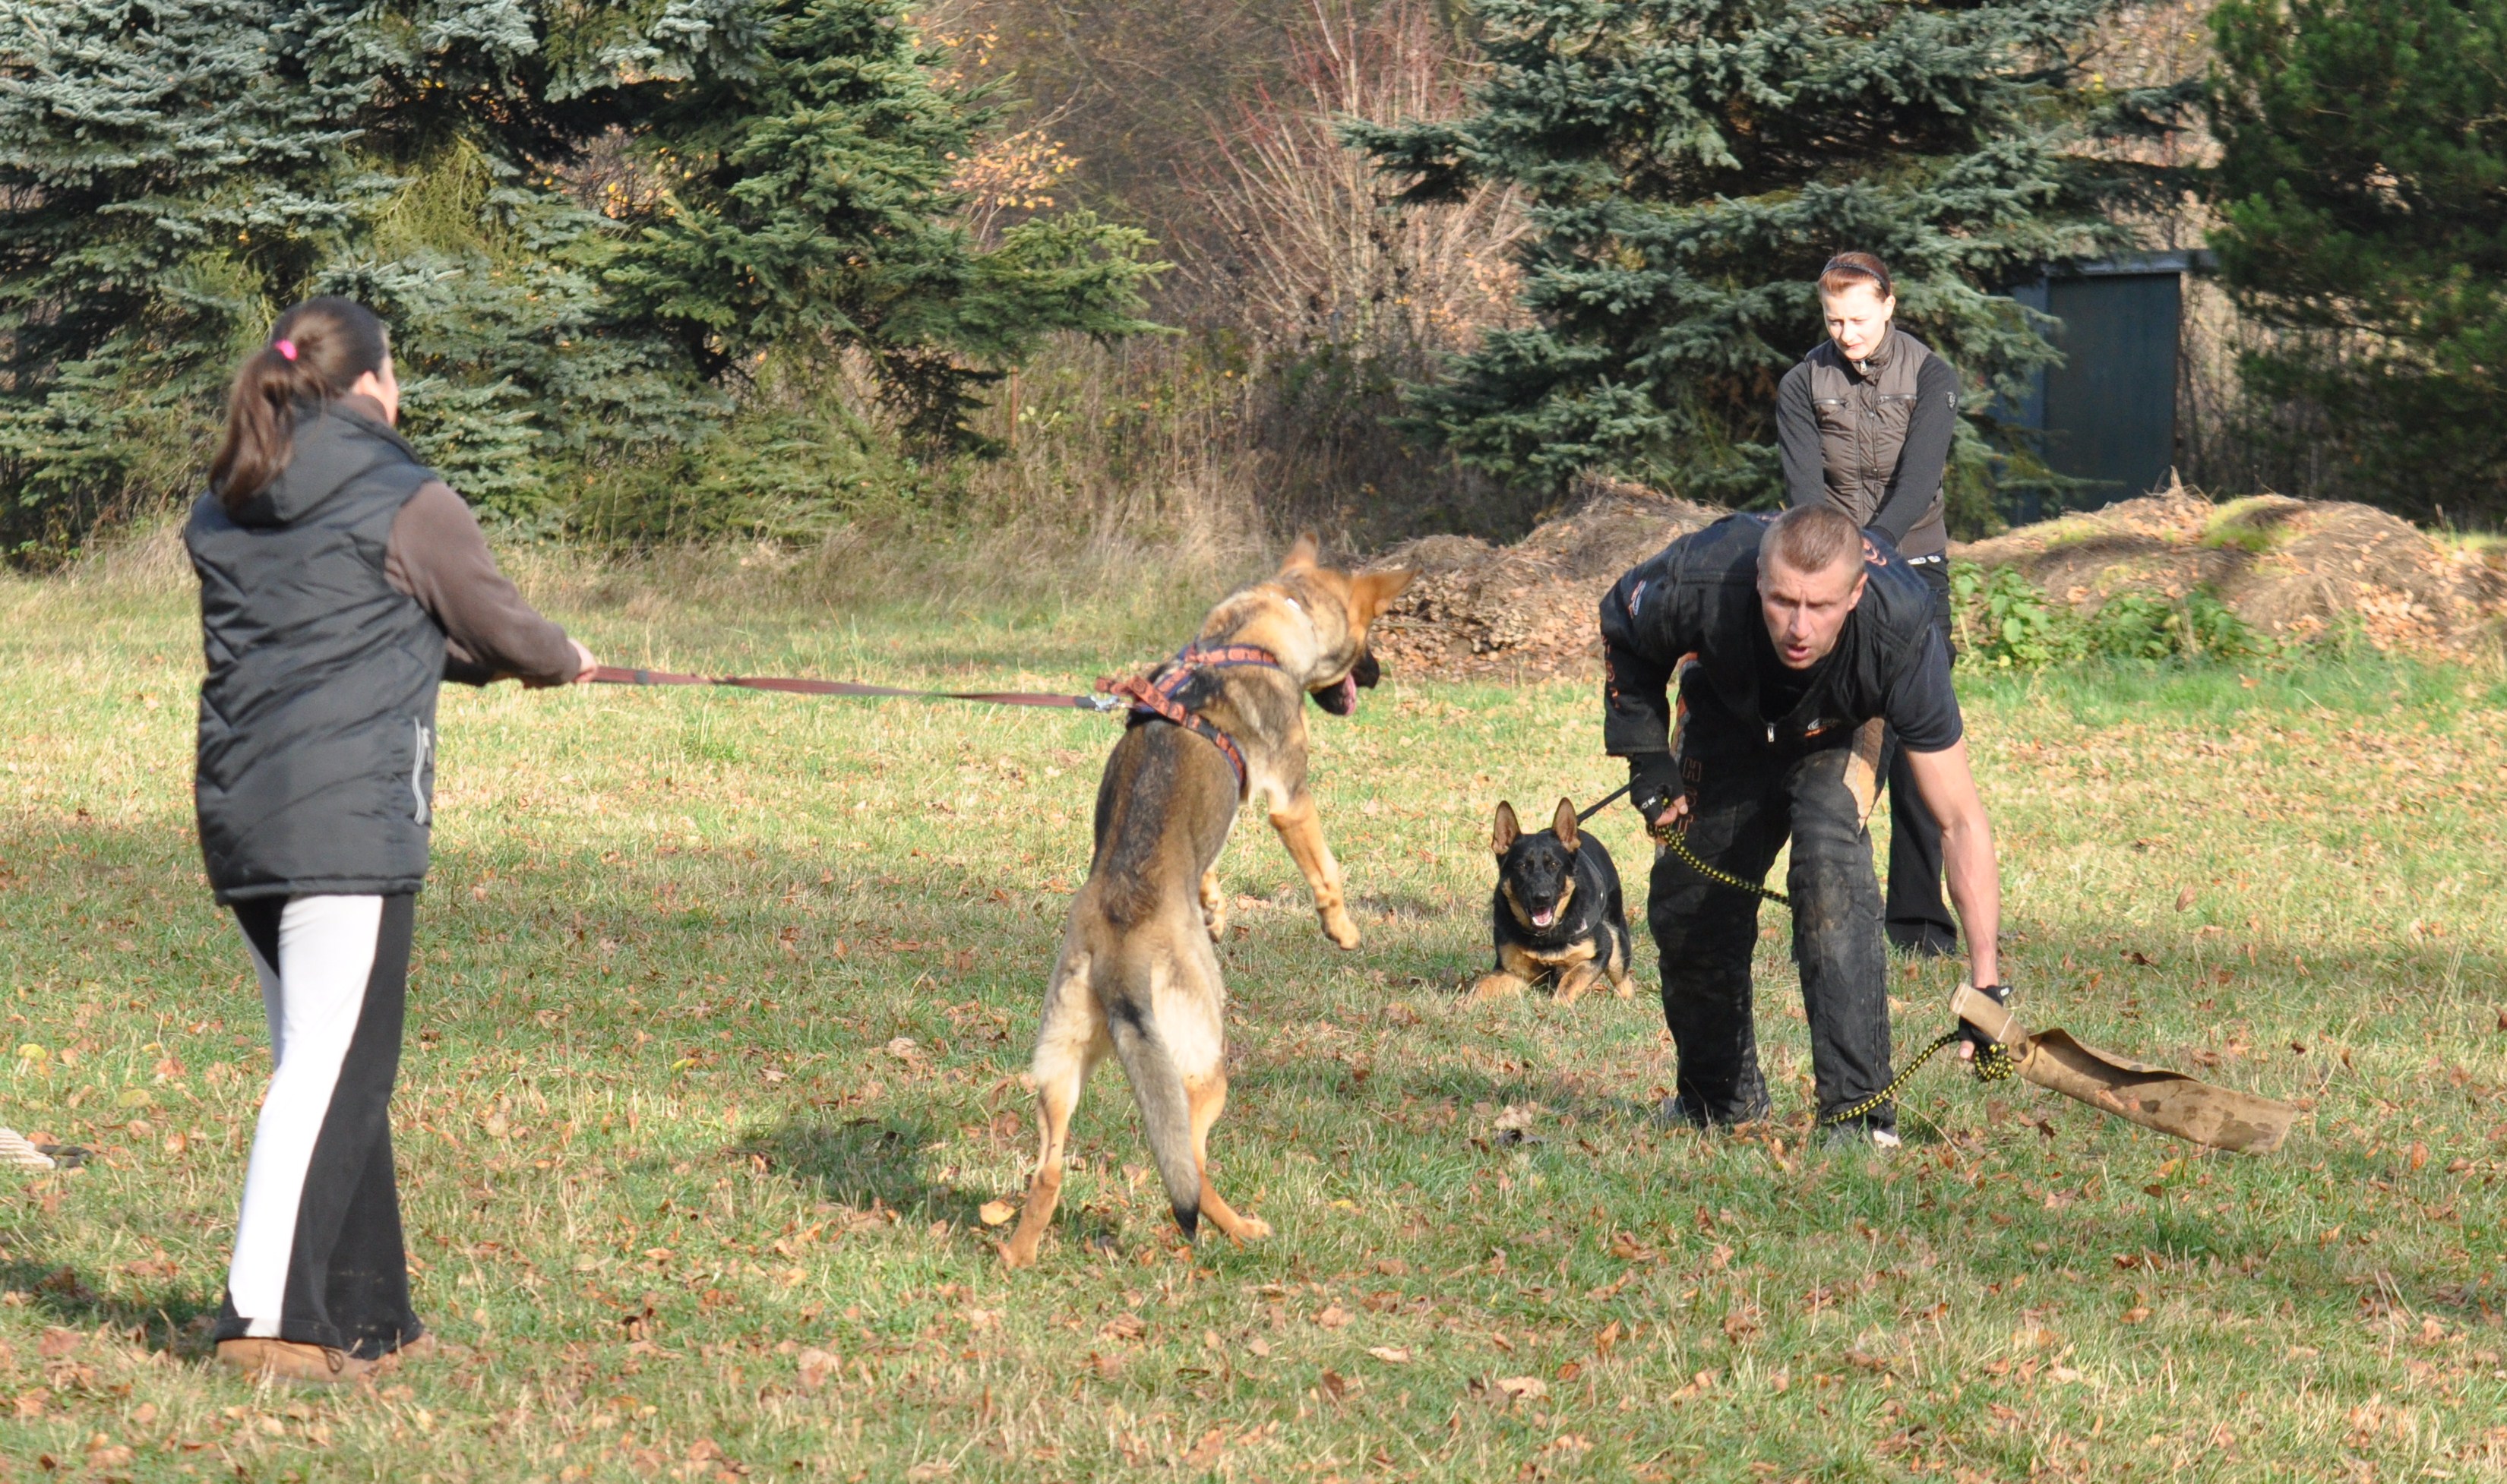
(1947, 787)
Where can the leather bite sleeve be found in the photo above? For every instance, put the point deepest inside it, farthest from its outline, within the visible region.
(438, 555)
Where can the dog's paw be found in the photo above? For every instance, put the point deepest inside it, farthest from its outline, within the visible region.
(1214, 907)
(1339, 928)
(1250, 1229)
(1013, 1256)
(1497, 987)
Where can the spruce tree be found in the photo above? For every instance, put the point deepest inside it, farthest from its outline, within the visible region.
(1691, 163)
(2363, 191)
(807, 202)
(174, 172)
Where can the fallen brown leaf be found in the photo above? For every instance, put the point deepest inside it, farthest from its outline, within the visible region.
(816, 1366)
(1205, 1452)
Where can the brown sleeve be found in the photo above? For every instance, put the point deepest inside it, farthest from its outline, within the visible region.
(438, 556)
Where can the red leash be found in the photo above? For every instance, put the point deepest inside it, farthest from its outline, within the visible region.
(611, 674)
(1153, 695)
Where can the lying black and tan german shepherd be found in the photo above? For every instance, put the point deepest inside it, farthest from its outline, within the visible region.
(1556, 910)
(1137, 975)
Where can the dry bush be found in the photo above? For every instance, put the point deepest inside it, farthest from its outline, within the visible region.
(1313, 251)
(1331, 296)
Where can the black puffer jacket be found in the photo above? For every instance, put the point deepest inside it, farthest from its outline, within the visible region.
(317, 716)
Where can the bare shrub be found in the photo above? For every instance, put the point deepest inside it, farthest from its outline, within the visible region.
(1330, 296)
(1312, 249)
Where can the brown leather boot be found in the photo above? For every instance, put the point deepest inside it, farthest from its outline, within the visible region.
(293, 1362)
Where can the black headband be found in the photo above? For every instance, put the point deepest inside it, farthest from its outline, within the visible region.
(1839, 265)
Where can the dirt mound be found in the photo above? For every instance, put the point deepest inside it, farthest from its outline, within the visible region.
(1526, 611)
(2292, 568)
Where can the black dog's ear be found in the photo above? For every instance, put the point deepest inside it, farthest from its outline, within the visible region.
(1564, 823)
(1501, 839)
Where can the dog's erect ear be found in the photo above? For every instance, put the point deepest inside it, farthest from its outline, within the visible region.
(1501, 839)
(1371, 593)
(1301, 556)
(1564, 822)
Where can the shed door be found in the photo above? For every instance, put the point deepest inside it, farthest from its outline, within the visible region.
(2110, 408)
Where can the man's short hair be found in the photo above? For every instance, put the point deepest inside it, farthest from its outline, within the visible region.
(1810, 538)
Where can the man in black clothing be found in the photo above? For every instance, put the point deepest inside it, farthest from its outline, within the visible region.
(1865, 424)
(1787, 637)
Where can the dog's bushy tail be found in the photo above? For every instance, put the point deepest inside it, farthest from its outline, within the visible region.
(1165, 1111)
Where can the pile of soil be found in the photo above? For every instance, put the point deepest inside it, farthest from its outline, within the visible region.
(1526, 611)
(2292, 568)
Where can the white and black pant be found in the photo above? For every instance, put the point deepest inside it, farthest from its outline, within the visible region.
(318, 1257)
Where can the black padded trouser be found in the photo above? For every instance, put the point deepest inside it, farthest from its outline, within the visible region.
(1743, 811)
(1916, 918)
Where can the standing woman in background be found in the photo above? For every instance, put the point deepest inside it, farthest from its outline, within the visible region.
(1865, 424)
(341, 581)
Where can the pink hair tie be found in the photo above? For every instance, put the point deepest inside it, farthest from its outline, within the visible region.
(285, 347)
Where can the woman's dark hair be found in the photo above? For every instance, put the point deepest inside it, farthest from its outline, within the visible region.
(316, 352)
(1848, 269)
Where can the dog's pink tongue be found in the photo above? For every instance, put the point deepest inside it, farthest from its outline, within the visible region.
(1348, 694)
(1545, 919)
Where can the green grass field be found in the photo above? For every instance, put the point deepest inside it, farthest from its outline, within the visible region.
(722, 1001)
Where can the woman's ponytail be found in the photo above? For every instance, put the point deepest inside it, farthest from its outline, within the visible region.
(316, 352)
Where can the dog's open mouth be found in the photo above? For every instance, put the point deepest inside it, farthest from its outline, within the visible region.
(1544, 917)
(1342, 699)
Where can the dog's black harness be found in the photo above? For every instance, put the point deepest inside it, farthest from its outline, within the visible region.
(1154, 696)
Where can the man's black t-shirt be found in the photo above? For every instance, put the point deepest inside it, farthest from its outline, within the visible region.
(1922, 706)
(1699, 599)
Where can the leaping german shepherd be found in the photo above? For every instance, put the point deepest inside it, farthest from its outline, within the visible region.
(1137, 974)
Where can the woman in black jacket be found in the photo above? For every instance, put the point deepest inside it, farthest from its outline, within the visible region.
(340, 582)
(1865, 424)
